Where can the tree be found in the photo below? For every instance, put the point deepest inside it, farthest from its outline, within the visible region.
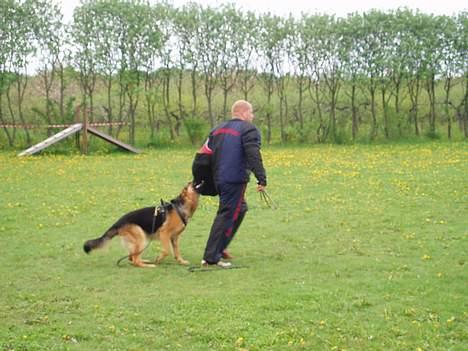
(372, 55)
(314, 28)
(300, 49)
(312, 69)
(282, 69)
(108, 17)
(49, 33)
(398, 62)
(461, 46)
(432, 56)
(246, 56)
(19, 24)
(153, 80)
(332, 69)
(229, 45)
(185, 24)
(85, 36)
(143, 39)
(8, 10)
(451, 63)
(166, 55)
(272, 33)
(353, 65)
(209, 49)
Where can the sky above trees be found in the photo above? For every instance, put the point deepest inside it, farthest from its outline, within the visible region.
(339, 7)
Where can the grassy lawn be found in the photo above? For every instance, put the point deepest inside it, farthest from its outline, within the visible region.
(367, 251)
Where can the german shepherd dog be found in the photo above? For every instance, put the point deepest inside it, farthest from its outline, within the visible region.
(166, 223)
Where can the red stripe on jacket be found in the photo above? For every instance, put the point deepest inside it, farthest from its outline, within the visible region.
(227, 131)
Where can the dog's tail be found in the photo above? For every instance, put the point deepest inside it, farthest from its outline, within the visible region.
(100, 242)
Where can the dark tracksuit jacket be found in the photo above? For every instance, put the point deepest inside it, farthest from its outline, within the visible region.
(235, 148)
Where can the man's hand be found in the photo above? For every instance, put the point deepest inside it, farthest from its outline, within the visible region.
(260, 187)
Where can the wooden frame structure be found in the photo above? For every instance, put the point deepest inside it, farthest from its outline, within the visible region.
(84, 128)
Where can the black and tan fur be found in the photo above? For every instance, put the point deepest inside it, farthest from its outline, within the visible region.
(137, 227)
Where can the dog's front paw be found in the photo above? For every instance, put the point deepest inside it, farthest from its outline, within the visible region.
(183, 262)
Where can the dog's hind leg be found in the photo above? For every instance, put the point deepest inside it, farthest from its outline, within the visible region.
(135, 240)
(175, 248)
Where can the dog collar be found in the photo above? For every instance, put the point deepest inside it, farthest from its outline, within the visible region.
(182, 217)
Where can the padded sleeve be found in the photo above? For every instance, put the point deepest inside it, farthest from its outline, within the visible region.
(251, 142)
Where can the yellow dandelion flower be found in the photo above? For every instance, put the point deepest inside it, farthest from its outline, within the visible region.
(240, 341)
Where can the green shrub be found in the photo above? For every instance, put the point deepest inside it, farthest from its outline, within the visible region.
(196, 130)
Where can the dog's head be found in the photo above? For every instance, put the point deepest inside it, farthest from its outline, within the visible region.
(189, 196)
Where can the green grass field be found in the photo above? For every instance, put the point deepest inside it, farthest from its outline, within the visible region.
(367, 251)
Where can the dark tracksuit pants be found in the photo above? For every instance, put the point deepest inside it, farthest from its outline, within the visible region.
(231, 212)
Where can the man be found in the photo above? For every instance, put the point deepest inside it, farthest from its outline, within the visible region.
(235, 150)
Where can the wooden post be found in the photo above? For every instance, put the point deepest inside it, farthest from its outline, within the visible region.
(85, 132)
(77, 120)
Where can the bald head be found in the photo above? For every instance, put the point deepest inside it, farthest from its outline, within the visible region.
(243, 110)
